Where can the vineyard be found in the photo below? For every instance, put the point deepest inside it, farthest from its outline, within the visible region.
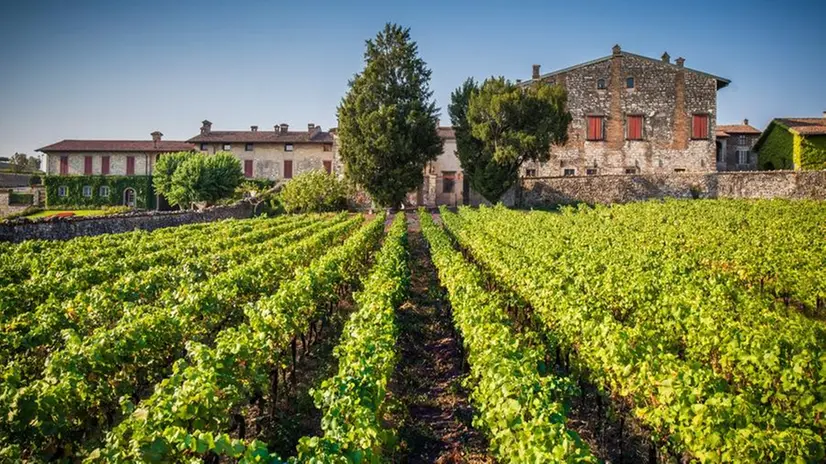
(652, 332)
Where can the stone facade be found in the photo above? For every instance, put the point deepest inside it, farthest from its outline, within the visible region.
(734, 150)
(544, 192)
(666, 95)
(144, 163)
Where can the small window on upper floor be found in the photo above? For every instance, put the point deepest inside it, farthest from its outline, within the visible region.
(248, 147)
(699, 126)
(741, 140)
(203, 147)
(530, 172)
(227, 147)
(679, 170)
(630, 170)
(568, 172)
(328, 147)
(629, 83)
(288, 147)
(601, 84)
(591, 172)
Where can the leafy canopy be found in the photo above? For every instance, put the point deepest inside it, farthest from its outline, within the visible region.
(314, 191)
(186, 178)
(500, 125)
(387, 120)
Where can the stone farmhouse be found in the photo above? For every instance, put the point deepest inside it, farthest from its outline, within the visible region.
(634, 114)
(734, 147)
(277, 154)
(793, 143)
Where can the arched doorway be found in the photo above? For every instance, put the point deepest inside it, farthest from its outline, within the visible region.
(129, 197)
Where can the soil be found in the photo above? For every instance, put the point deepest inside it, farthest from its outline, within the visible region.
(428, 404)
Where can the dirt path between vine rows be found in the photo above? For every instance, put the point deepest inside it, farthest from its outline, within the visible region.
(430, 407)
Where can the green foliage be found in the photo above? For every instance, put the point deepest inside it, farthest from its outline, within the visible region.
(813, 152)
(387, 120)
(187, 178)
(16, 198)
(501, 125)
(489, 178)
(353, 401)
(314, 192)
(776, 149)
(142, 185)
(20, 162)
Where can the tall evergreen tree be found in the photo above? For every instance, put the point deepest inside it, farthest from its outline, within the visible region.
(499, 126)
(387, 120)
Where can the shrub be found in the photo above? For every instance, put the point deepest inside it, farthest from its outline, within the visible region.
(314, 191)
(189, 178)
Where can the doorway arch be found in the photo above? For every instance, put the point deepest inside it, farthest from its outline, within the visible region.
(129, 197)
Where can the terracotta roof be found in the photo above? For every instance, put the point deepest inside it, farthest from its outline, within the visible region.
(720, 133)
(263, 137)
(805, 126)
(737, 129)
(118, 145)
(721, 81)
(446, 132)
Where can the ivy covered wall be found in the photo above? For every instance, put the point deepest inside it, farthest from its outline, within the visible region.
(142, 185)
(777, 150)
(812, 150)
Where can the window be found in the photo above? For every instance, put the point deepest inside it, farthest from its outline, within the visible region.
(104, 191)
(600, 84)
(247, 168)
(328, 147)
(203, 147)
(591, 172)
(328, 166)
(633, 127)
(288, 169)
(629, 83)
(630, 170)
(288, 147)
(596, 128)
(699, 126)
(679, 170)
(104, 165)
(226, 147)
(741, 140)
(743, 157)
(87, 166)
(248, 147)
(87, 191)
(568, 172)
(64, 165)
(530, 172)
(448, 181)
(62, 191)
(130, 165)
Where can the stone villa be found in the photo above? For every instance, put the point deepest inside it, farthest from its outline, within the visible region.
(633, 114)
(734, 147)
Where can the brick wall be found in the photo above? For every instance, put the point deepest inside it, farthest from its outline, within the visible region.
(537, 192)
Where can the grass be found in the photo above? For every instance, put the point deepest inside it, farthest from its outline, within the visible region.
(78, 212)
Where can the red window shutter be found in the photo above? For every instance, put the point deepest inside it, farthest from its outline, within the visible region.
(328, 166)
(104, 165)
(130, 165)
(288, 169)
(87, 165)
(247, 168)
(634, 127)
(700, 126)
(64, 165)
(595, 131)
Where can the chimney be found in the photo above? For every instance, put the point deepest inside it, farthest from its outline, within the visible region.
(254, 128)
(156, 137)
(206, 127)
(615, 50)
(745, 122)
(284, 127)
(824, 115)
(666, 58)
(680, 61)
(310, 127)
(535, 74)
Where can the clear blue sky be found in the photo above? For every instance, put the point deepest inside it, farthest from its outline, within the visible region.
(119, 70)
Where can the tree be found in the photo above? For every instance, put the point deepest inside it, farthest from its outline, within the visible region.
(313, 192)
(186, 178)
(20, 162)
(499, 126)
(387, 120)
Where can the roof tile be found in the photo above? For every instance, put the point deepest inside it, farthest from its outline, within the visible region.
(118, 146)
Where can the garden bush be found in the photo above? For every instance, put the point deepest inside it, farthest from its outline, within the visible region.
(314, 191)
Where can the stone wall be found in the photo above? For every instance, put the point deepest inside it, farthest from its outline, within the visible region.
(664, 94)
(540, 192)
(19, 230)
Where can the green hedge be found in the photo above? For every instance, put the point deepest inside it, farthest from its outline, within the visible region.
(20, 198)
(144, 194)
